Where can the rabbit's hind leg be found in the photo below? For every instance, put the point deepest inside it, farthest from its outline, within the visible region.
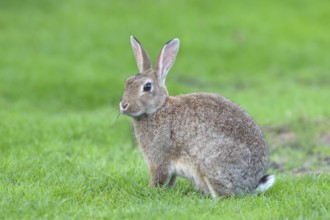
(210, 188)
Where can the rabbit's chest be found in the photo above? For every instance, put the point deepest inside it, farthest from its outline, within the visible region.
(151, 134)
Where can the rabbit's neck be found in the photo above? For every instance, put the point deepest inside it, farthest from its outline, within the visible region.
(151, 129)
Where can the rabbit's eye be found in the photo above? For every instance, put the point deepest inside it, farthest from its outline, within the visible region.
(147, 87)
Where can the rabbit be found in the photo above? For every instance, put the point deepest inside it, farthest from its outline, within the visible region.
(200, 136)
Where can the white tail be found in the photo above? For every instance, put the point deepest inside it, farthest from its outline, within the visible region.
(265, 183)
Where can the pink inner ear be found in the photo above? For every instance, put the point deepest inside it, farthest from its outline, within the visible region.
(167, 57)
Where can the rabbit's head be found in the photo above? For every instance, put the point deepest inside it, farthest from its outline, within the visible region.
(146, 92)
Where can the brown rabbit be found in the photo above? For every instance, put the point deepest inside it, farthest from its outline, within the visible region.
(203, 137)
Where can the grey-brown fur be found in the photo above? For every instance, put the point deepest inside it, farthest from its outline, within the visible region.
(201, 136)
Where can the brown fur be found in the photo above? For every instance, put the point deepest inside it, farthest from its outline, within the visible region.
(201, 136)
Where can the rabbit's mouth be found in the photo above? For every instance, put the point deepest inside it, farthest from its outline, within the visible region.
(132, 114)
(125, 110)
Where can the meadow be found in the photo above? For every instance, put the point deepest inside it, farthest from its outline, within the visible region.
(65, 153)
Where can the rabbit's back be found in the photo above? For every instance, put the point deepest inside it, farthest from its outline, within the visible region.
(211, 114)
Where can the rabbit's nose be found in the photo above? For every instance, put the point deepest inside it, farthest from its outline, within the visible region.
(124, 105)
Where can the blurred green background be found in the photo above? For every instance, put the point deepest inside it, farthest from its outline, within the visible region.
(272, 58)
(63, 65)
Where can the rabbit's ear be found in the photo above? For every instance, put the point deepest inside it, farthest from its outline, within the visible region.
(166, 59)
(141, 55)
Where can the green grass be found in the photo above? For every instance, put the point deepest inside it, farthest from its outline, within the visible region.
(65, 154)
